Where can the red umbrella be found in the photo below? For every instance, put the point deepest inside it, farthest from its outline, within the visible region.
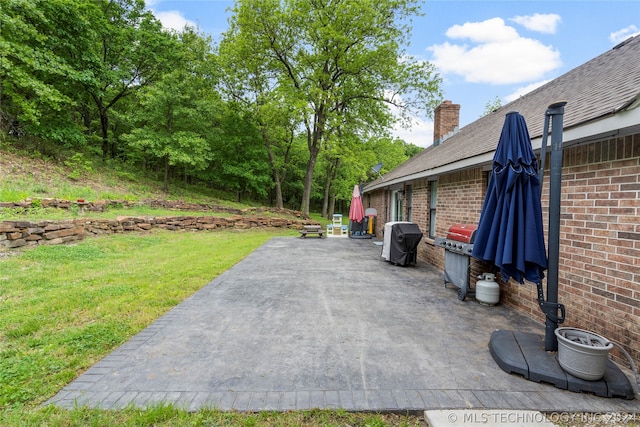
(356, 211)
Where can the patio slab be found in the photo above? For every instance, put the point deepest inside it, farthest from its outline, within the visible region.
(323, 323)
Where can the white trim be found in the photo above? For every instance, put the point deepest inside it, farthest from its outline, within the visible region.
(461, 164)
(620, 124)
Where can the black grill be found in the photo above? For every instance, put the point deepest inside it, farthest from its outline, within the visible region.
(400, 245)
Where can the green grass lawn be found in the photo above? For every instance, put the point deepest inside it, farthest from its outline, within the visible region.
(63, 308)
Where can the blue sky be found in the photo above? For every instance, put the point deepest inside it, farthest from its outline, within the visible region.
(482, 49)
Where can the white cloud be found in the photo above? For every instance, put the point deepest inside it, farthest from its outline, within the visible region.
(524, 90)
(173, 20)
(491, 30)
(623, 34)
(542, 23)
(497, 54)
(420, 133)
(410, 128)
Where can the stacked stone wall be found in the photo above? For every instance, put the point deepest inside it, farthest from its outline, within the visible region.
(17, 234)
(105, 205)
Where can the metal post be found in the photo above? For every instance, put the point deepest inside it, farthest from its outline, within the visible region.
(556, 111)
(543, 149)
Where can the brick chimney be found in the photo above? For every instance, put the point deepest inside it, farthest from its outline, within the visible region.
(445, 121)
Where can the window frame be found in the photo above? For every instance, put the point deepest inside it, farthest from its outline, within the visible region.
(433, 200)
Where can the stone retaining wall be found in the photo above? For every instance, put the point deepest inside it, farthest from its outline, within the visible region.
(16, 234)
(103, 205)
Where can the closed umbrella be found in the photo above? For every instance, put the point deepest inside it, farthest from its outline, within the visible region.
(510, 233)
(356, 211)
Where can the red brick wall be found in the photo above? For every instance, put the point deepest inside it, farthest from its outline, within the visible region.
(460, 197)
(420, 215)
(377, 200)
(599, 273)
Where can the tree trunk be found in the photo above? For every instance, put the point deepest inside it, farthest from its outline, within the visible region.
(327, 188)
(314, 142)
(104, 125)
(277, 180)
(332, 206)
(275, 175)
(279, 201)
(308, 180)
(165, 187)
(331, 174)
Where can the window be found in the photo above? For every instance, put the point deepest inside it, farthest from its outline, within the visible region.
(409, 190)
(396, 205)
(432, 208)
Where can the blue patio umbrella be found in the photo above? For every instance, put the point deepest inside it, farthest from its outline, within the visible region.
(510, 233)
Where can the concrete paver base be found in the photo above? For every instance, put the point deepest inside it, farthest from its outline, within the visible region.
(322, 323)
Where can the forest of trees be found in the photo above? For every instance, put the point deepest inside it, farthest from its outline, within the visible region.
(292, 108)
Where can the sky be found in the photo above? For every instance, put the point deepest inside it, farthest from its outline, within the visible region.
(483, 50)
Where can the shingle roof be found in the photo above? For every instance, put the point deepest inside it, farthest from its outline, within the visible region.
(598, 88)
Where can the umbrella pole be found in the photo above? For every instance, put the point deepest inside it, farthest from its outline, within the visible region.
(551, 306)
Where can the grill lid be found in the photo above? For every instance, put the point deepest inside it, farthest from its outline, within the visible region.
(465, 233)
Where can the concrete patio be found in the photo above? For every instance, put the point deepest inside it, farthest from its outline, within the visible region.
(323, 323)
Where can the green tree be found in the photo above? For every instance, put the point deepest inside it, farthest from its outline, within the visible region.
(239, 163)
(133, 51)
(278, 124)
(39, 74)
(342, 169)
(175, 114)
(327, 55)
(491, 106)
(251, 84)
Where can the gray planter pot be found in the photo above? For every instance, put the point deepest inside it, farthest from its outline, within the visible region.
(582, 354)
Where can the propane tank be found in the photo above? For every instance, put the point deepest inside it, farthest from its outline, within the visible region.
(487, 289)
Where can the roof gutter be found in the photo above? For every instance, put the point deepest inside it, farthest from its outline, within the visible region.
(624, 121)
(619, 123)
(455, 166)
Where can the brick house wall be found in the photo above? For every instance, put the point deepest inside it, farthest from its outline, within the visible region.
(377, 200)
(420, 215)
(600, 239)
(599, 272)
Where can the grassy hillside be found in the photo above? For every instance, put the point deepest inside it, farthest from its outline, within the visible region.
(29, 174)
